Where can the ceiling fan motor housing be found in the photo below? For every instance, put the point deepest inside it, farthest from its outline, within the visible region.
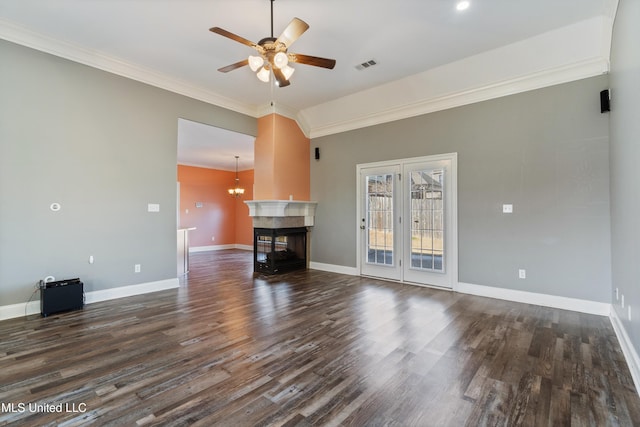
(270, 48)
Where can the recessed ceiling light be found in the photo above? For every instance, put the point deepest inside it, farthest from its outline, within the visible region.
(462, 5)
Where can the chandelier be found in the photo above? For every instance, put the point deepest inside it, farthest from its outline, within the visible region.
(236, 191)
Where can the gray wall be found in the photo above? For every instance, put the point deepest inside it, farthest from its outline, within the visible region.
(625, 164)
(546, 151)
(103, 147)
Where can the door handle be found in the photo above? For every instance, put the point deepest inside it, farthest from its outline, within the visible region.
(362, 227)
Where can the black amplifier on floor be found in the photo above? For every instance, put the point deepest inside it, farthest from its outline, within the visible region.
(63, 295)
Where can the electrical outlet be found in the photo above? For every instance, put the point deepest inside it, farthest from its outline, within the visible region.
(91, 259)
(522, 273)
(507, 208)
(136, 268)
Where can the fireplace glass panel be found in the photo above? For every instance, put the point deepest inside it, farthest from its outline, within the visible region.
(278, 250)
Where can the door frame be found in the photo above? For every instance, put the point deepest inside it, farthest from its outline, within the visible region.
(453, 252)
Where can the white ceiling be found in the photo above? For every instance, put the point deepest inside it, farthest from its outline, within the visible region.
(206, 146)
(170, 41)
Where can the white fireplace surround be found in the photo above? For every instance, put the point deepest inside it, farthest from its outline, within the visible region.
(282, 213)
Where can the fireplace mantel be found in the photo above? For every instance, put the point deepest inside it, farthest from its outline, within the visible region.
(277, 210)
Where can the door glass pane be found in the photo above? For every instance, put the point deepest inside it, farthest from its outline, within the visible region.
(380, 219)
(427, 220)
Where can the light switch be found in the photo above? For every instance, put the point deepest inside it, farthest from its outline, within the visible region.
(153, 207)
(507, 208)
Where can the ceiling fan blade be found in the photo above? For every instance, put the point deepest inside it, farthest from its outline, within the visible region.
(312, 60)
(294, 30)
(236, 37)
(234, 66)
(280, 78)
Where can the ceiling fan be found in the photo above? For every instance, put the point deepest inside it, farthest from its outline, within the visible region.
(273, 53)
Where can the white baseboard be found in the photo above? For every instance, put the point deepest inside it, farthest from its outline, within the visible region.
(131, 290)
(33, 307)
(351, 271)
(545, 300)
(21, 309)
(630, 354)
(195, 249)
(554, 301)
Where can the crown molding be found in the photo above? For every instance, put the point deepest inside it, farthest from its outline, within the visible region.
(571, 53)
(273, 107)
(551, 77)
(285, 111)
(25, 37)
(303, 124)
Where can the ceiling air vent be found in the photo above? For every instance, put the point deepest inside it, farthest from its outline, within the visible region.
(367, 64)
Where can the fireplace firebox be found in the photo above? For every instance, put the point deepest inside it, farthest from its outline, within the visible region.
(278, 250)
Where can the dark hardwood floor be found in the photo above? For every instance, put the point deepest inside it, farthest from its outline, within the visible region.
(311, 348)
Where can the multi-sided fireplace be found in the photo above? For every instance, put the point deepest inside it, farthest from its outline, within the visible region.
(277, 250)
(280, 233)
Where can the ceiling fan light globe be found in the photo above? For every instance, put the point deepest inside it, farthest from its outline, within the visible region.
(287, 71)
(263, 75)
(280, 60)
(255, 62)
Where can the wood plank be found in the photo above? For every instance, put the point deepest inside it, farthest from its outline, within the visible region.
(313, 348)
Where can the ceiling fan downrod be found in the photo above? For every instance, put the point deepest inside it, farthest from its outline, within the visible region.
(272, 18)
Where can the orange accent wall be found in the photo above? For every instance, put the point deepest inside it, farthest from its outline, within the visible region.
(263, 159)
(282, 160)
(221, 216)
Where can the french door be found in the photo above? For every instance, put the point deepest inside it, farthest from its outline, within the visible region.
(378, 224)
(407, 220)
